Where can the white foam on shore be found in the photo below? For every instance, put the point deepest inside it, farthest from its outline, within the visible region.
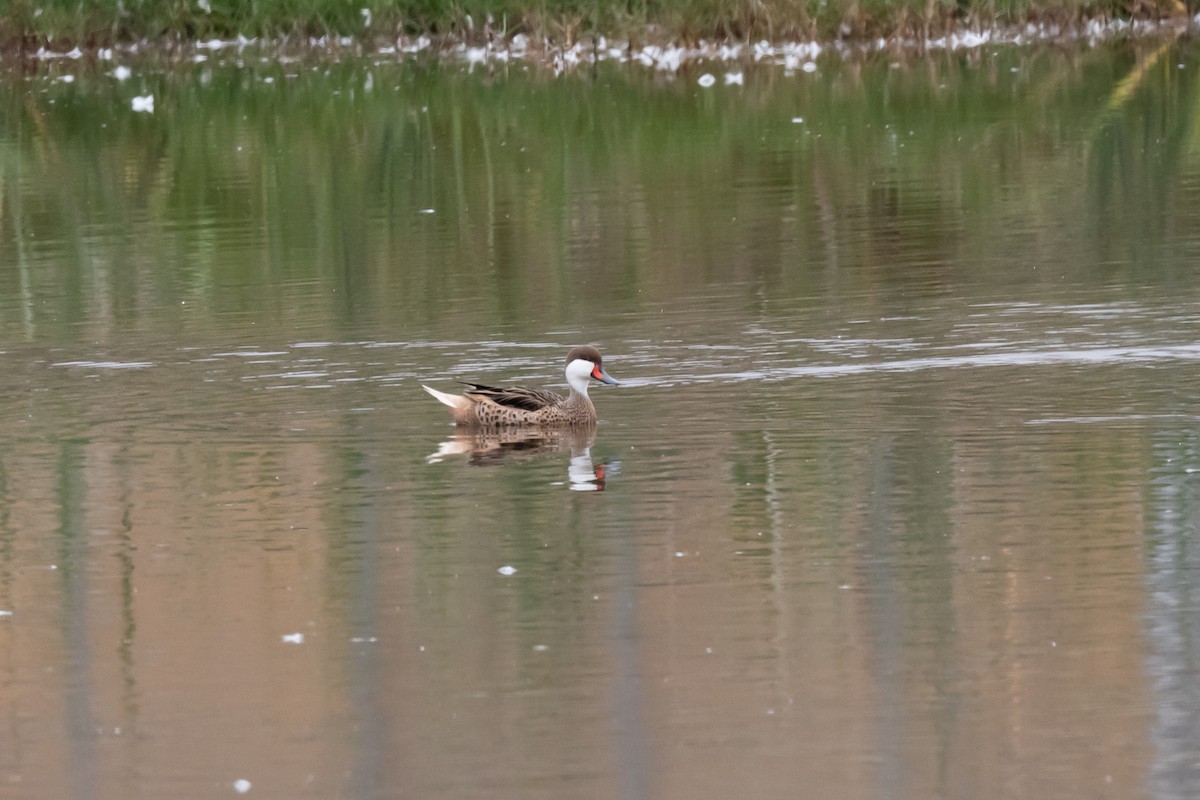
(795, 56)
(670, 58)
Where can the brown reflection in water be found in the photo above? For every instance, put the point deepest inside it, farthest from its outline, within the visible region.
(968, 623)
(1050, 625)
(893, 587)
(151, 578)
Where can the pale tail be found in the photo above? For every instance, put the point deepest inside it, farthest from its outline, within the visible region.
(452, 400)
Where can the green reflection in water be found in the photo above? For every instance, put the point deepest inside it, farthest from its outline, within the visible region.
(409, 197)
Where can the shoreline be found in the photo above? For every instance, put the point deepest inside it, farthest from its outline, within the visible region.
(656, 53)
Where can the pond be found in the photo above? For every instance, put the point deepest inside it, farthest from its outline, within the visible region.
(898, 496)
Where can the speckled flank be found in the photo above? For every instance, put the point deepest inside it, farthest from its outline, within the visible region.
(485, 412)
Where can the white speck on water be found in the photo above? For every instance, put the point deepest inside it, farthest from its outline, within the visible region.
(143, 103)
(734, 79)
(364, 639)
(809, 66)
(293, 638)
(5, 612)
(844, 586)
(706, 80)
(427, 211)
(541, 648)
(507, 569)
(797, 120)
(679, 554)
(241, 785)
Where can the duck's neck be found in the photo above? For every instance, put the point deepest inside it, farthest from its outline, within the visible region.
(578, 398)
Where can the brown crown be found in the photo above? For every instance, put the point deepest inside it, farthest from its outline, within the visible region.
(586, 352)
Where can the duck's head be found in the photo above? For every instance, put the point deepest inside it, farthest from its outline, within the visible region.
(584, 363)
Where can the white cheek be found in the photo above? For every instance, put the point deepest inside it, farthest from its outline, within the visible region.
(578, 374)
(580, 368)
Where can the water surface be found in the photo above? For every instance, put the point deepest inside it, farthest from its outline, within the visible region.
(898, 498)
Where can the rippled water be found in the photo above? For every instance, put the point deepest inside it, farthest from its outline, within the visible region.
(897, 497)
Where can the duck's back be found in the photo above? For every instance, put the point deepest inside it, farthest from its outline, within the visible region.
(515, 397)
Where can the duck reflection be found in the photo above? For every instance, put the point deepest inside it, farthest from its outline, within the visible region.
(489, 447)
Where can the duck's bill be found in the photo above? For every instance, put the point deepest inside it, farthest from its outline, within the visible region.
(602, 376)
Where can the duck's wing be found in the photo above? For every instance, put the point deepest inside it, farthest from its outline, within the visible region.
(515, 397)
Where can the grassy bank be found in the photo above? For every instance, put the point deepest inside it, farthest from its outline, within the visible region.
(99, 23)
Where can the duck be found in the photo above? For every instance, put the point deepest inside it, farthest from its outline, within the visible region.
(482, 406)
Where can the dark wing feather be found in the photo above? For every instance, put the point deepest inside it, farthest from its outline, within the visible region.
(515, 397)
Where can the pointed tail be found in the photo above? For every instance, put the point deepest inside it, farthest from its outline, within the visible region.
(455, 401)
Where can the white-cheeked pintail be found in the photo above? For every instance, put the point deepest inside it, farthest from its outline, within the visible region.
(491, 407)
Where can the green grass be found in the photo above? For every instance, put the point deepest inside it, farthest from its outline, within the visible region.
(95, 23)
